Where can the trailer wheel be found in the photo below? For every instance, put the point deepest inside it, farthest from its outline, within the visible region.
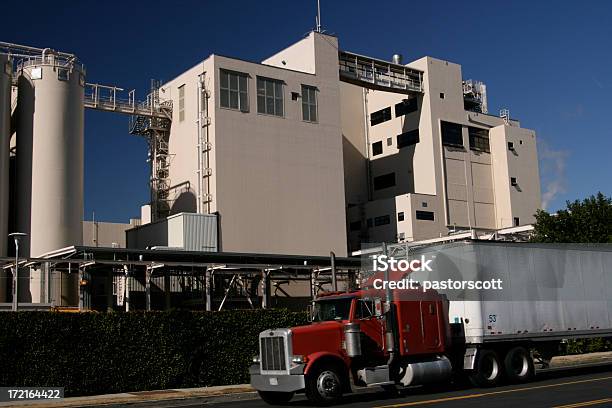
(324, 385)
(275, 398)
(518, 365)
(488, 369)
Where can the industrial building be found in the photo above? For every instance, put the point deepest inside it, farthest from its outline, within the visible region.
(264, 145)
(310, 151)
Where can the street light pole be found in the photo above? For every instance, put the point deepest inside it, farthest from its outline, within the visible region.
(17, 238)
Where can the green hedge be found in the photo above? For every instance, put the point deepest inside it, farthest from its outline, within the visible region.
(99, 353)
(582, 346)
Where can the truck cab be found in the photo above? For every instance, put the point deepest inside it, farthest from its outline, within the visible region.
(353, 340)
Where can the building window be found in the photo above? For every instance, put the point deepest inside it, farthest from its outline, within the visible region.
(405, 107)
(441, 95)
(234, 90)
(517, 221)
(380, 116)
(452, 134)
(400, 216)
(269, 96)
(181, 103)
(513, 181)
(424, 204)
(355, 226)
(408, 138)
(424, 215)
(511, 146)
(479, 139)
(382, 220)
(377, 148)
(384, 181)
(309, 103)
(389, 141)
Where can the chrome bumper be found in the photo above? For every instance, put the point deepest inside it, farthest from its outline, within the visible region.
(278, 382)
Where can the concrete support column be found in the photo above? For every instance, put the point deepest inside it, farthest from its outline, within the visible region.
(265, 289)
(208, 281)
(148, 272)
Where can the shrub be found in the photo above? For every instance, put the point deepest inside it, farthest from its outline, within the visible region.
(99, 353)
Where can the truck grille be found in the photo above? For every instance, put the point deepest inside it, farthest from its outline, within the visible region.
(273, 357)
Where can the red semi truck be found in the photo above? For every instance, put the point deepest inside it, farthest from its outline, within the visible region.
(392, 338)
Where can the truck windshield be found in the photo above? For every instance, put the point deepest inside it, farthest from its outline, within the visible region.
(332, 309)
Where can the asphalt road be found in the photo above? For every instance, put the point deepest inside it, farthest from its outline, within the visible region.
(586, 386)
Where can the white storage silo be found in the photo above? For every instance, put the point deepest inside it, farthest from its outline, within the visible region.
(50, 159)
(5, 125)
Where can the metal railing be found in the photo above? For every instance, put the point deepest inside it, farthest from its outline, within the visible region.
(373, 73)
(113, 98)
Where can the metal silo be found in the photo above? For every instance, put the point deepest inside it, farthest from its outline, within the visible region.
(50, 158)
(5, 125)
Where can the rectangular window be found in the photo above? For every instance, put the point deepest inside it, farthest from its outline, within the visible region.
(452, 134)
(309, 103)
(63, 74)
(424, 215)
(270, 96)
(355, 226)
(511, 146)
(400, 216)
(181, 103)
(517, 221)
(405, 107)
(479, 139)
(382, 220)
(513, 181)
(384, 181)
(380, 116)
(234, 90)
(377, 148)
(408, 138)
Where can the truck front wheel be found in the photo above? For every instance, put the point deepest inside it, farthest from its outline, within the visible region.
(275, 398)
(518, 365)
(324, 385)
(488, 369)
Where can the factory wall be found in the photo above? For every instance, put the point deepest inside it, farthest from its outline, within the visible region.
(275, 181)
(433, 187)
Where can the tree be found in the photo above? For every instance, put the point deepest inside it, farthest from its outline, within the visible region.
(587, 221)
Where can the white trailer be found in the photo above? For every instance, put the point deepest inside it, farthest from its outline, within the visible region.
(551, 292)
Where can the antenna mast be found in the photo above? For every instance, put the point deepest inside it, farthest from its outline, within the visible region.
(318, 30)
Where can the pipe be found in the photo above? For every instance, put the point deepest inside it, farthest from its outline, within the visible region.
(332, 256)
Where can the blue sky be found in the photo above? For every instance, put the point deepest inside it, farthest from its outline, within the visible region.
(548, 62)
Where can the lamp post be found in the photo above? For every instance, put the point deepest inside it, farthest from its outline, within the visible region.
(17, 236)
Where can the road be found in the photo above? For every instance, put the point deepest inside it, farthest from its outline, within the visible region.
(585, 386)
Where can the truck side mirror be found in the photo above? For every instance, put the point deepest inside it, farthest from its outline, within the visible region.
(310, 311)
(378, 307)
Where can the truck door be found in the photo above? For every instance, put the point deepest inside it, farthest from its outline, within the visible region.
(372, 328)
(430, 329)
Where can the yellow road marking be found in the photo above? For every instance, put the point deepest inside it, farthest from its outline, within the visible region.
(585, 403)
(486, 394)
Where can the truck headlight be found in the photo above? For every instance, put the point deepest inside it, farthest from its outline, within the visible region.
(256, 359)
(298, 359)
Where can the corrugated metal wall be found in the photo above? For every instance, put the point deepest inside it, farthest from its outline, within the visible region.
(191, 232)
